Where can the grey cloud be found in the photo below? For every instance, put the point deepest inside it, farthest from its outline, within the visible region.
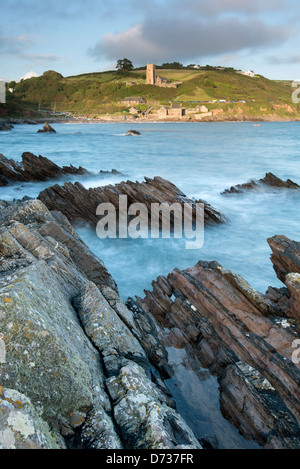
(167, 38)
(216, 7)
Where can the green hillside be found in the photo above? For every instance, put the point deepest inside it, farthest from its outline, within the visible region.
(96, 94)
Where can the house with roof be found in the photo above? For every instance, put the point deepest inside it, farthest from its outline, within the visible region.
(133, 100)
(163, 112)
(175, 111)
(134, 110)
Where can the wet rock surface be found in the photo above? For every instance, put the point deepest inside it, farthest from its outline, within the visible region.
(270, 180)
(73, 370)
(241, 336)
(80, 204)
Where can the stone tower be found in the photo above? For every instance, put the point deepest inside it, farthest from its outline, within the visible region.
(151, 74)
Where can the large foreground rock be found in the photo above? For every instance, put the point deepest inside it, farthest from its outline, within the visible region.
(66, 341)
(223, 321)
(80, 204)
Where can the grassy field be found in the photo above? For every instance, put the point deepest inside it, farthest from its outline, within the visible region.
(101, 93)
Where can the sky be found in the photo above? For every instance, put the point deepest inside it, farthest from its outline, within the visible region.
(80, 36)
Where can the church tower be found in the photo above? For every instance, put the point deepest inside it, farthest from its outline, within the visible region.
(151, 74)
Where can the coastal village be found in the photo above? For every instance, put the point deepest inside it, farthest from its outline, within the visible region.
(162, 93)
(174, 110)
(139, 108)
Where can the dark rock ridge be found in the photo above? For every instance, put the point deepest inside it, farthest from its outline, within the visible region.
(4, 126)
(133, 132)
(78, 203)
(269, 180)
(286, 262)
(73, 371)
(47, 129)
(35, 169)
(240, 335)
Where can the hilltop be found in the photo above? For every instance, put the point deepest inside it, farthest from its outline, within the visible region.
(226, 94)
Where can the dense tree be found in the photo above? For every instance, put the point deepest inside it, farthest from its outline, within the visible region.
(172, 65)
(124, 64)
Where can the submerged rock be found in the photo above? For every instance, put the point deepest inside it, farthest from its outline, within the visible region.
(4, 126)
(133, 132)
(269, 180)
(47, 129)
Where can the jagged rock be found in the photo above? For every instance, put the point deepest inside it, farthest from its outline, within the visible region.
(63, 342)
(79, 203)
(113, 172)
(100, 322)
(252, 403)
(144, 418)
(47, 129)
(221, 320)
(133, 132)
(292, 282)
(49, 229)
(38, 168)
(269, 180)
(98, 432)
(34, 169)
(286, 262)
(141, 410)
(20, 425)
(48, 356)
(4, 126)
(285, 256)
(49, 359)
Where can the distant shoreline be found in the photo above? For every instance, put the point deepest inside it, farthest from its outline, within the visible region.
(52, 120)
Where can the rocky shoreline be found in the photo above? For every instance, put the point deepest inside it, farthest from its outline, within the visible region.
(80, 369)
(75, 383)
(9, 123)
